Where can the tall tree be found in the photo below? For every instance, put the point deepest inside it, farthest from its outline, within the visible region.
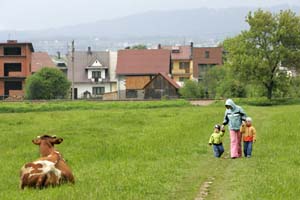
(273, 40)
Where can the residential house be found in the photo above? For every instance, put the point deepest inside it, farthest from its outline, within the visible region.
(181, 62)
(15, 66)
(205, 58)
(161, 86)
(136, 68)
(93, 75)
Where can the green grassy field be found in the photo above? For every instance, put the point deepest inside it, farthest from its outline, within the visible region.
(150, 150)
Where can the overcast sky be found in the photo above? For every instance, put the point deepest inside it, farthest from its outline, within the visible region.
(40, 14)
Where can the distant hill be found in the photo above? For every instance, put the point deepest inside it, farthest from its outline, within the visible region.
(202, 23)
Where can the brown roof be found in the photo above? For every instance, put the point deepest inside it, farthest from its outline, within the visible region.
(169, 79)
(179, 52)
(40, 60)
(141, 62)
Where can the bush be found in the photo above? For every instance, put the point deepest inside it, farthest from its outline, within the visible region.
(192, 89)
(47, 83)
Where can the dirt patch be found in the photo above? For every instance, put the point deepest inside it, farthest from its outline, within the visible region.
(204, 189)
(202, 102)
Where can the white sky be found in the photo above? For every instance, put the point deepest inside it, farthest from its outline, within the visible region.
(40, 14)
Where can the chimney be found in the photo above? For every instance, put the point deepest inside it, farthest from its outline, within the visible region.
(58, 55)
(159, 46)
(192, 47)
(192, 44)
(89, 50)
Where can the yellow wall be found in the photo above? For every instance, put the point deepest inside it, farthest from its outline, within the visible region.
(176, 71)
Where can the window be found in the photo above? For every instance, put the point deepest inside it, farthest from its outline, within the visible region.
(96, 74)
(98, 90)
(131, 94)
(202, 70)
(185, 66)
(12, 67)
(206, 54)
(12, 51)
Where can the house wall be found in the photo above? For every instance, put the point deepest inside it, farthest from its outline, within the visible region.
(215, 57)
(103, 74)
(113, 56)
(1, 88)
(81, 88)
(24, 59)
(136, 82)
(177, 72)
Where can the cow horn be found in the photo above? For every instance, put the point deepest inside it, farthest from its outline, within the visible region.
(53, 135)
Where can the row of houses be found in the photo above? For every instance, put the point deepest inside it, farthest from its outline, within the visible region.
(125, 74)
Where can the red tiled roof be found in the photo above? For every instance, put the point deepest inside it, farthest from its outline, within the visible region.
(40, 60)
(183, 52)
(145, 61)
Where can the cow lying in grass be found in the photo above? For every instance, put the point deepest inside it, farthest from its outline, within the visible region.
(49, 170)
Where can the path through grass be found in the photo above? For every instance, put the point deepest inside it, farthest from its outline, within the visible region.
(152, 152)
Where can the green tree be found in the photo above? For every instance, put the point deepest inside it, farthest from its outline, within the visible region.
(138, 46)
(255, 55)
(192, 89)
(47, 83)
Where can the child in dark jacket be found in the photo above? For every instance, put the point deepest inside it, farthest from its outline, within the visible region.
(216, 140)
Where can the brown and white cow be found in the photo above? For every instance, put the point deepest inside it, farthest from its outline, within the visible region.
(49, 170)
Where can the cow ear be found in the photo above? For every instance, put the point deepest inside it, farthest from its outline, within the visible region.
(58, 141)
(36, 141)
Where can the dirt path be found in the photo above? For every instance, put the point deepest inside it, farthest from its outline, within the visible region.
(204, 189)
(202, 102)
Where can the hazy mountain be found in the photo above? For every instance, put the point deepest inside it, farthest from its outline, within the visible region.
(202, 23)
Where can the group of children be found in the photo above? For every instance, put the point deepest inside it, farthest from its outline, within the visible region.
(248, 136)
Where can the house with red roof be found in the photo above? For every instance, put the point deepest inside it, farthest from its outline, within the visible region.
(136, 68)
(181, 62)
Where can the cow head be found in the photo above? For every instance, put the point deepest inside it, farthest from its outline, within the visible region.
(46, 143)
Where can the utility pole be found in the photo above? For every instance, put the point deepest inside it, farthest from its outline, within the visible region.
(73, 72)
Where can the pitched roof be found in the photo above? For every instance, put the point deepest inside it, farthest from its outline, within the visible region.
(84, 59)
(179, 52)
(141, 62)
(40, 60)
(165, 76)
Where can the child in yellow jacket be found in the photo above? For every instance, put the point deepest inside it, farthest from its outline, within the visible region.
(216, 140)
(249, 136)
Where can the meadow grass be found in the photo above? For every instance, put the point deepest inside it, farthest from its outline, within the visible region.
(150, 150)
